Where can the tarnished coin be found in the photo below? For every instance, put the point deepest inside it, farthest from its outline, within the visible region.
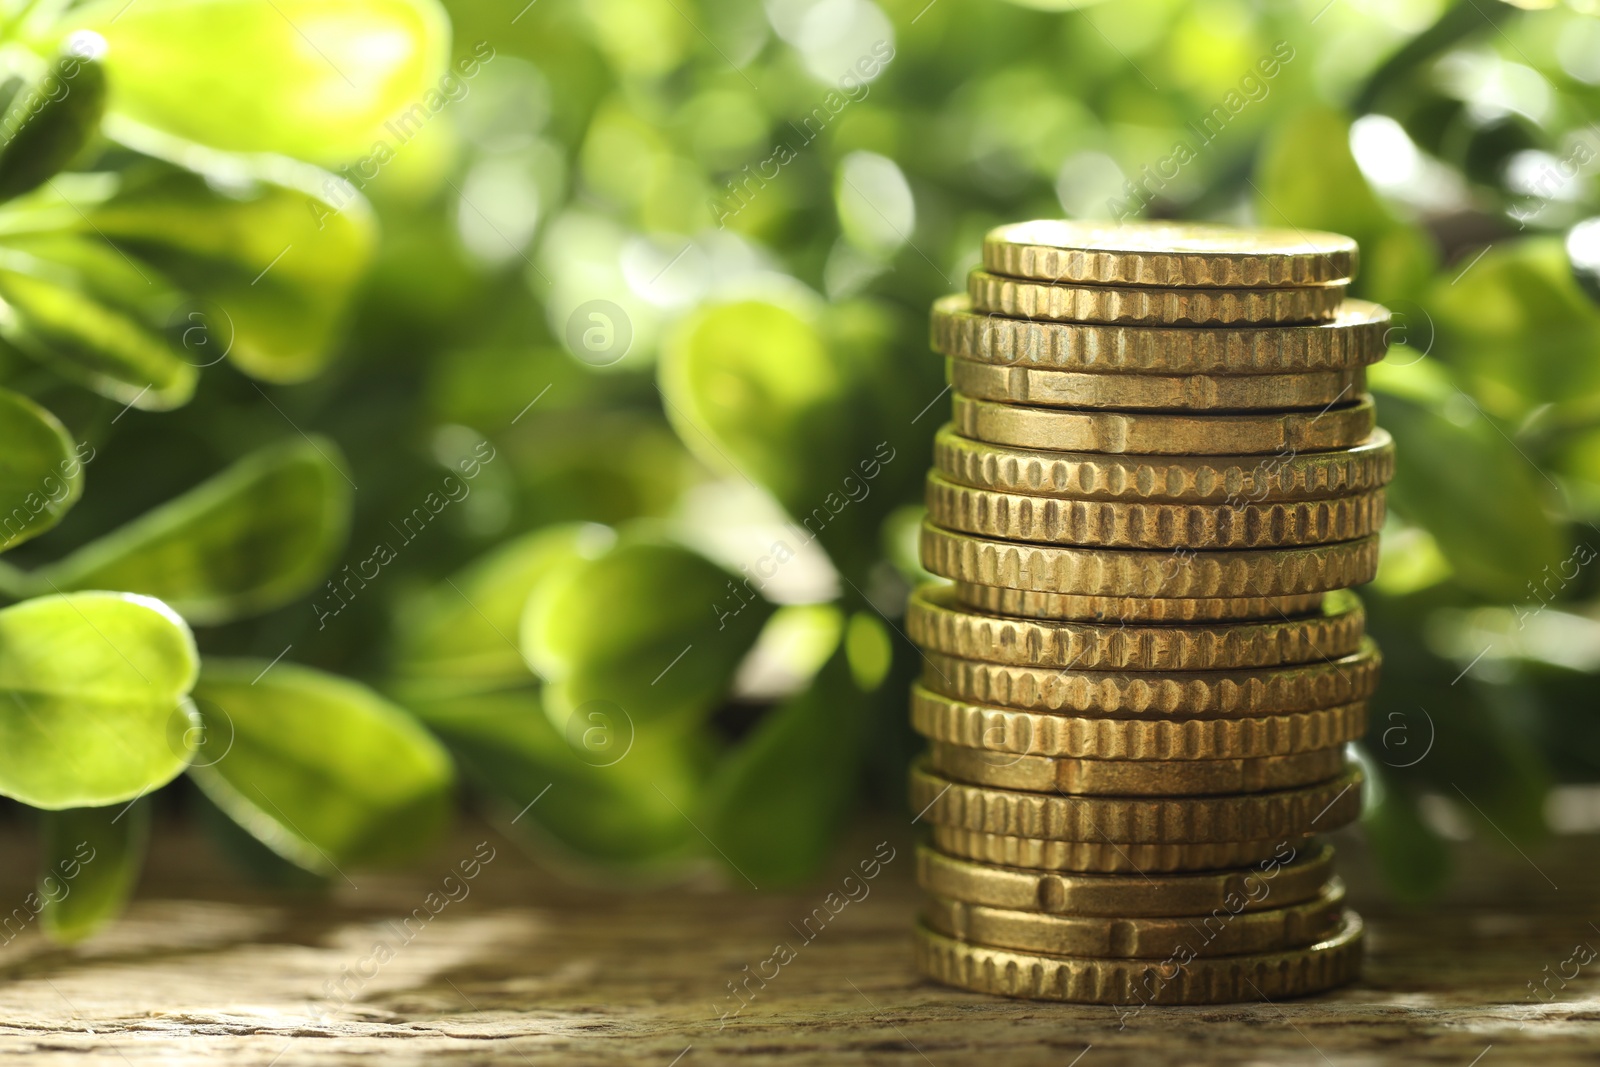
(1153, 392)
(1356, 336)
(1208, 694)
(1028, 603)
(937, 621)
(1148, 573)
(1295, 872)
(1152, 307)
(1133, 778)
(1283, 436)
(1181, 980)
(1137, 524)
(1168, 254)
(1005, 730)
(1222, 933)
(1107, 857)
(1286, 813)
(1233, 481)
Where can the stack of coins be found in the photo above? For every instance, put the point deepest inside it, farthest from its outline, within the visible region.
(1161, 475)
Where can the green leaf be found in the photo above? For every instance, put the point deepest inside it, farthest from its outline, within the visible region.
(775, 804)
(1415, 861)
(273, 252)
(654, 628)
(1307, 177)
(93, 698)
(50, 121)
(1519, 327)
(620, 803)
(312, 79)
(41, 472)
(253, 538)
(321, 769)
(462, 634)
(96, 317)
(822, 410)
(91, 863)
(1446, 452)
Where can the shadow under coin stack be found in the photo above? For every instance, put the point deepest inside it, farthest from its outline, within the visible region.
(1161, 476)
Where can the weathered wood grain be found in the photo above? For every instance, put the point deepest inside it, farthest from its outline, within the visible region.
(528, 970)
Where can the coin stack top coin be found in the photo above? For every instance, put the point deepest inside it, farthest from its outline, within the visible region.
(1161, 476)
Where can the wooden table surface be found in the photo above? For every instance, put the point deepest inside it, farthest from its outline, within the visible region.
(526, 969)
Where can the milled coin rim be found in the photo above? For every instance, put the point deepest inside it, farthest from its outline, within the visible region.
(1051, 892)
(1223, 933)
(1035, 733)
(1231, 481)
(1075, 607)
(1193, 392)
(1283, 813)
(1202, 694)
(1105, 857)
(1129, 572)
(1168, 254)
(1356, 336)
(1164, 433)
(1038, 976)
(1136, 306)
(936, 620)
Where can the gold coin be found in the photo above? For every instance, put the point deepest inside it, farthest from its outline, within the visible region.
(1108, 857)
(1208, 694)
(1230, 480)
(941, 718)
(1153, 392)
(1225, 932)
(1133, 778)
(1026, 603)
(1147, 573)
(1285, 813)
(1159, 253)
(1006, 972)
(1293, 873)
(937, 622)
(1137, 524)
(1152, 307)
(1356, 336)
(1283, 436)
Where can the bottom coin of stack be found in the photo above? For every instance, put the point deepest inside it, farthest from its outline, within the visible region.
(1124, 813)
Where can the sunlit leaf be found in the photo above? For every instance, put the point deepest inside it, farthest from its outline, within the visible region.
(652, 628)
(314, 79)
(271, 254)
(93, 698)
(464, 632)
(613, 797)
(321, 769)
(96, 317)
(254, 537)
(90, 865)
(41, 470)
(50, 120)
(1446, 452)
(1307, 177)
(824, 412)
(1518, 325)
(776, 802)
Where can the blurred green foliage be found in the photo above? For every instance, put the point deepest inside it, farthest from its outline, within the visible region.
(561, 372)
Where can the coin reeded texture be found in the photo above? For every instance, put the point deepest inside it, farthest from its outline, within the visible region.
(1168, 254)
(1182, 980)
(1292, 874)
(1106, 857)
(1152, 307)
(937, 621)
(1032, 604)
(1356, 336)
(1230, 480)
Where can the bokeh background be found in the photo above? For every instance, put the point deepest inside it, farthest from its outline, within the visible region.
(563, 456)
